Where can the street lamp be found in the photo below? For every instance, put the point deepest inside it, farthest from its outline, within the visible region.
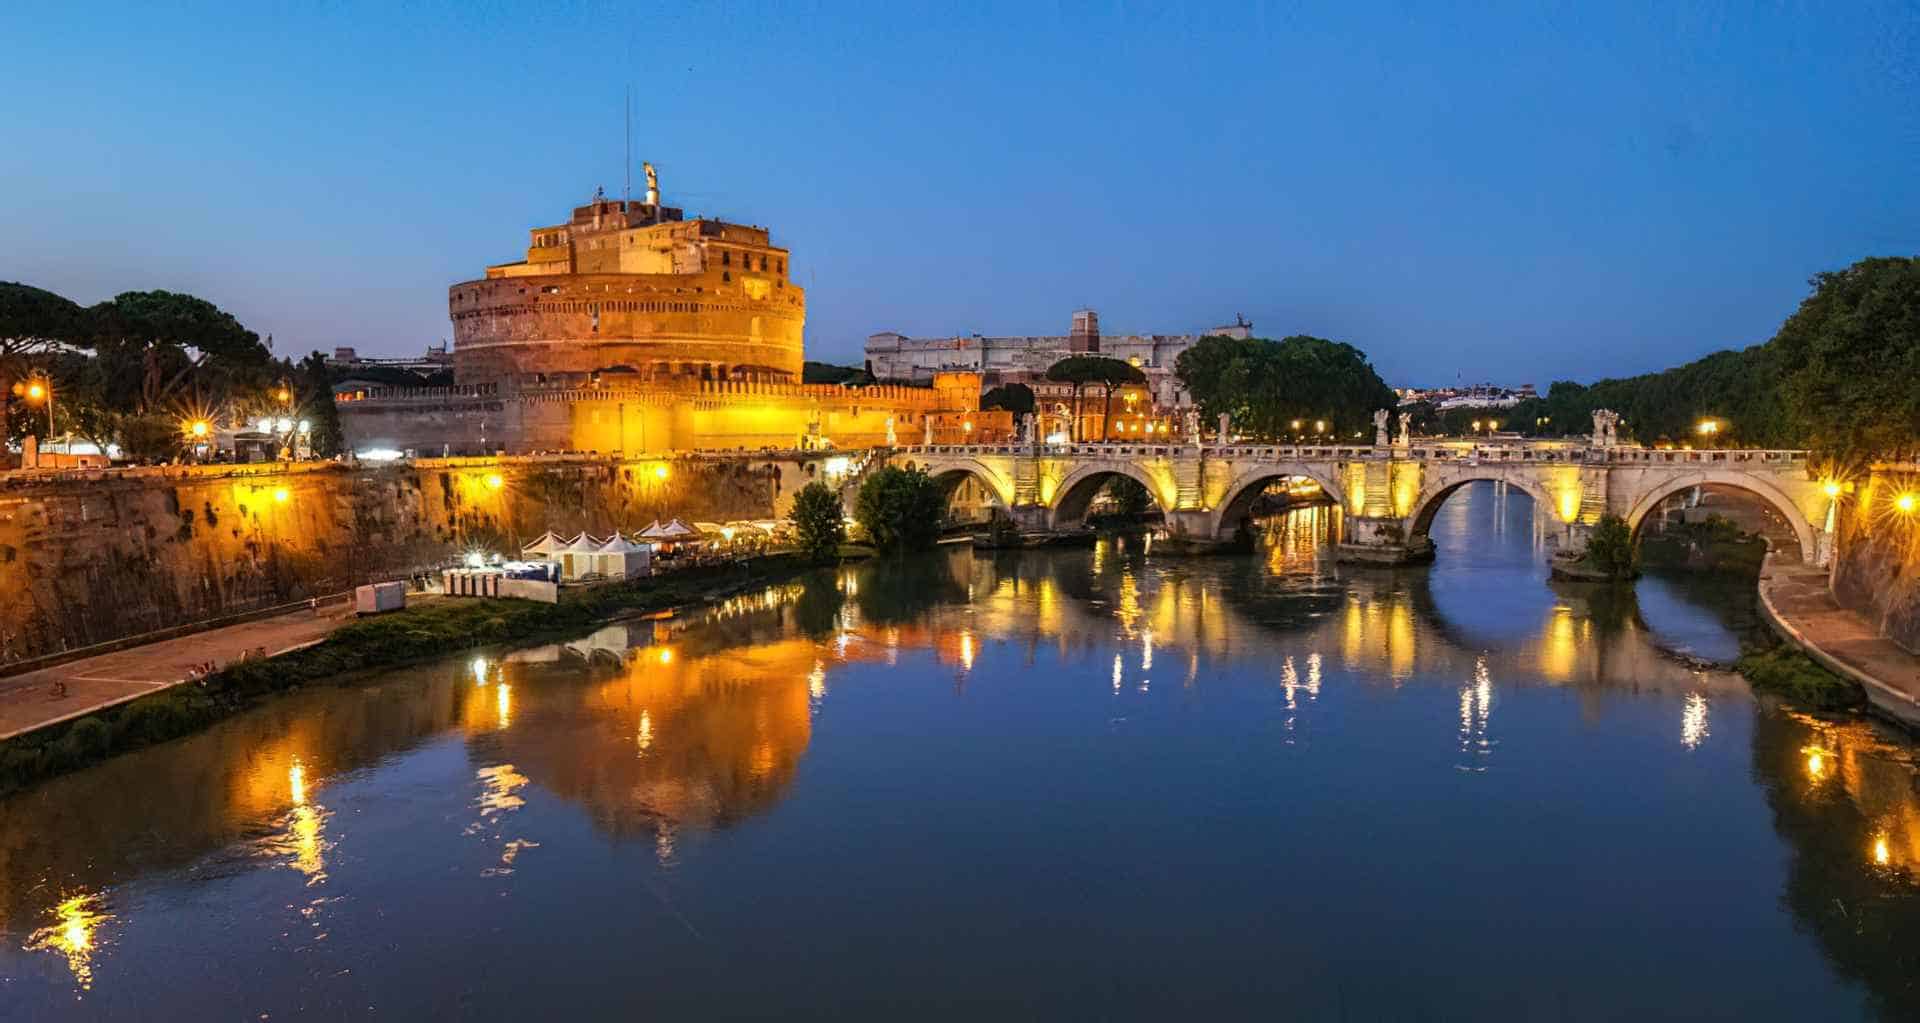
(1708, 429)
(37, 390)
(1906, 503)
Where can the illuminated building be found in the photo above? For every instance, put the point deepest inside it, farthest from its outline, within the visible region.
(631, 328)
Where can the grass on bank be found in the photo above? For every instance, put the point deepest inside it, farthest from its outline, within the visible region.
(1782, 669)
(380, 642)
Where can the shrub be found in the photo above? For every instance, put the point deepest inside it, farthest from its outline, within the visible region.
(1611, 550)
(819, 521)
(901, 509)
(1788, 672)
(91, 735)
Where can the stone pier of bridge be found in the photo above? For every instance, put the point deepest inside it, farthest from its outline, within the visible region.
(1388, 494)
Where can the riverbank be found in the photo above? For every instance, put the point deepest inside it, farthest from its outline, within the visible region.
(1797, 604)
(386, 641)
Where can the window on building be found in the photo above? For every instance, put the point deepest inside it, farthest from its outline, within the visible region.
(726, 259)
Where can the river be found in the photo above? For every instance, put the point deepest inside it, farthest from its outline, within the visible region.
(1068, 784)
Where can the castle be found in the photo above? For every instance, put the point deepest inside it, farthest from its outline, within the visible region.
(631, 328)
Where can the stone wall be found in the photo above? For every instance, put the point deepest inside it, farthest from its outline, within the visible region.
(87, 557)
(1877, 569)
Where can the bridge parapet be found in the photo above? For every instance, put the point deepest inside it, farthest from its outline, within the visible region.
(1388, 493)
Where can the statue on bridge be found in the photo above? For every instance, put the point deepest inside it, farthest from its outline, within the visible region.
(1606, 425)
(1029, 428)
(1406, 430)
(927, 430)
(1226, 429)
(1380, 417)
(1193, 425)
(893, 440)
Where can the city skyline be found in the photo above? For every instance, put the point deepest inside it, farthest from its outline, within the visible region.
(1607, 194)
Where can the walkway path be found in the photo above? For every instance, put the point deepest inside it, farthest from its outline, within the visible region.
(29, 701)
(1796, 598)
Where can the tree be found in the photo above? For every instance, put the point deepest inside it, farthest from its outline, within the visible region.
(1610, 548)
(1850, 362)
(1083, 370)
(1129, 496)
(1267, 385)
(34, 324)
(901, 509)
(313, 389)
(162, 347)
(819, 521)
(1015, 398)
(827, 373)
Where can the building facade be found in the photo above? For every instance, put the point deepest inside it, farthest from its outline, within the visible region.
(1024, 359)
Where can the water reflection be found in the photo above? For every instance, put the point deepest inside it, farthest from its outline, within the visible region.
(667, 737)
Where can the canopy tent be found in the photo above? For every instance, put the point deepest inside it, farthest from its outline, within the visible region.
(577, 559)
(654, 531)
(547, 546)
(620, 559)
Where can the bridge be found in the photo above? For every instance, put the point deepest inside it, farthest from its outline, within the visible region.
(1388, 492)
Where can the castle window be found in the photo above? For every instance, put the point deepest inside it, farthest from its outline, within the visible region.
(725, 276)
(726, 259)
(763, 264)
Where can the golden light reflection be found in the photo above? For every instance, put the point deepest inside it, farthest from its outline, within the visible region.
(1560, 646)
(817, 679)
(1118, 670)
(480, 671)
(1476, 710)
(304, 827)
(503, 704)
(644, 737)
(498, 787)
(297, 782)
(1882, 851)
(966, 650)
(1816, 762)
(72, 935)
(1693, 721)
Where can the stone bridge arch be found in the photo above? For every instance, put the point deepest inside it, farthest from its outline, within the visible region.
(1768, 491)
(1435, 491)
(1078, 488)
(949, 472)
(1239, 495)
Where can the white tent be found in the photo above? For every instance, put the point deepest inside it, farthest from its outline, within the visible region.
(578, 559)
(546, 547)
(620, 559)
(654, 531)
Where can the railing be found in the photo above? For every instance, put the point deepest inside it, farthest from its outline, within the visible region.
(1548, 452)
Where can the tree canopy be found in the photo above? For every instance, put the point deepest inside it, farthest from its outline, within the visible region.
(819, 522)
(1266, 385)
(1083, 371)
(1015, 398)
(901, 509)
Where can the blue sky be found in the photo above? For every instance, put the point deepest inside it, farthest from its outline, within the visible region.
(1512, 193)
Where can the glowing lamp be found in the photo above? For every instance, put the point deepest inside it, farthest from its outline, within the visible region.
(283, 394)
(1831, 488)
(36, 391)
(660, 471)
(306, 426)
(286, 425)
(280, 495)
(1905, 503)
(494, 481)
(198, 428)
(264, 426)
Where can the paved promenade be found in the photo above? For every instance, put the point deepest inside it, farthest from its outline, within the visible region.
(1796, 598)
(31, 700)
